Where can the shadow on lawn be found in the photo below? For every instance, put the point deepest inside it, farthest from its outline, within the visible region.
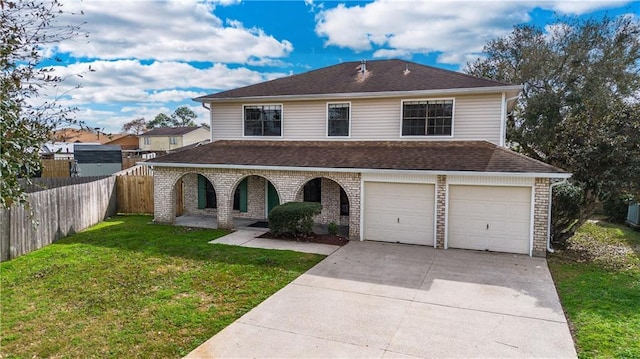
(140, 234)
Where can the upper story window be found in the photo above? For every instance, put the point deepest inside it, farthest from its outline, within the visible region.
(427, 118)
(263, 120)
(338, 117)
(173, 140)
(147, 140)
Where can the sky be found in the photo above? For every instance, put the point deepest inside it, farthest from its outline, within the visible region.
(149, 56)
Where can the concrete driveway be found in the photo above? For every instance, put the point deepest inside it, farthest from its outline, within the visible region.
(378, 300)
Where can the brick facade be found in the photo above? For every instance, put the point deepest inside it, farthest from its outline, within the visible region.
(288, 185)
(540, 217)
(441, 214)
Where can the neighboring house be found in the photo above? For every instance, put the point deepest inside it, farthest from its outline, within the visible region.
(58, 150)
(126, 141)
(76, 135)
(170, 138)
(398, 151)
(97, 160)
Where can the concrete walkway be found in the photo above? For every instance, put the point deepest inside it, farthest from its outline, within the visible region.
(246, 236)
(380, 300)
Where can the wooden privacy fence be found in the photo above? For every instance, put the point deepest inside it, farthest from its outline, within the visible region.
(134, 188)
(56, 168)
(128, 162)
(57, 212)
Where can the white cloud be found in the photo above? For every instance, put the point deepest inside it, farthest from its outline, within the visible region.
(167, 31)
(580, 7)
(118, 91)
(456, 30)
(132, 81)
(401, 28)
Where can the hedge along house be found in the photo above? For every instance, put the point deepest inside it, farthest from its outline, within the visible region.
(398, 151)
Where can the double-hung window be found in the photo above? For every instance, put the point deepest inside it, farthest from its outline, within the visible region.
(427, 118)
(147, 140)
(173, 140)
(263, 120)
(338, 117)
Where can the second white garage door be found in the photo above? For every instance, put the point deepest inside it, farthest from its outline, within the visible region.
(490, 218)
(399, 212)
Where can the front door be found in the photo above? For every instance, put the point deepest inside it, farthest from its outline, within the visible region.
(272, 198)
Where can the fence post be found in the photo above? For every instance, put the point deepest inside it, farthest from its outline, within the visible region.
(5, 234)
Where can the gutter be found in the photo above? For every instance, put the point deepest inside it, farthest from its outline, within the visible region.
(460, 91)
(564, 180)
(357, 170)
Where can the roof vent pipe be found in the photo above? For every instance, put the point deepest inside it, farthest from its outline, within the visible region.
(363, 66)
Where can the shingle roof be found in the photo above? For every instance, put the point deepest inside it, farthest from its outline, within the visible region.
(169, 131)
(381, 76)
(475, 156)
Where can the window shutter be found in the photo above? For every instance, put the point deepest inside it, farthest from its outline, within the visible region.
(202, 192)
(243, 195)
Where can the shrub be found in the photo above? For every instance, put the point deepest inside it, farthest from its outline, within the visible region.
(293, 218)
(332, 228)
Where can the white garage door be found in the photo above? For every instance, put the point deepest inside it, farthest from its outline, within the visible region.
(489, 218)
(399, 212)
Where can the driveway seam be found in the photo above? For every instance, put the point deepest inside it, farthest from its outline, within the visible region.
(306, 335)
(428, 303)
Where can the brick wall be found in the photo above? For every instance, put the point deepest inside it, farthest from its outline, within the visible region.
(441, 193)
(288, 184)
(540, 221)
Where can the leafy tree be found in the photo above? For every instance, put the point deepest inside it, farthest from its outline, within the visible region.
(579, 107)
(161, 120)
(182, 116)
(136, 126)
(27, 117)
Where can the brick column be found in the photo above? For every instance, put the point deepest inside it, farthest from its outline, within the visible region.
(441, 194)
(190, 193)
(225, 183)
(540, 217)
(164, 196)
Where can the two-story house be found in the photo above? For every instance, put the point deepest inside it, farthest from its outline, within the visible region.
(170, 138)
(398, 151)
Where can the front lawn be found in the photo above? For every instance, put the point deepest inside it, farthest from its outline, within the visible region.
(598, 280)
(128, 288)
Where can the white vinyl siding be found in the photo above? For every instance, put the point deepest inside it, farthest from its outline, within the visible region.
(305, 120)
(477, 117)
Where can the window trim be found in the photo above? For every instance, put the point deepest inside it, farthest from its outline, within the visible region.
(327, 118)
(244, 106)
(453, 117)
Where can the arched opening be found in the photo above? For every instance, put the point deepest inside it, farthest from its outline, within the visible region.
(195, 196)
(254, 197)
(334, 200)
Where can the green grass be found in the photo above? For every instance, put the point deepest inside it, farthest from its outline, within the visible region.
(598, 280)
(128, 288)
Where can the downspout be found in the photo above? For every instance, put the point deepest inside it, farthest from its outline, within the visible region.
(564, 180)
(210, 121)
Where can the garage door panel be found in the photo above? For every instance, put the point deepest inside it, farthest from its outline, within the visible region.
(399, 212)
(505, 210)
